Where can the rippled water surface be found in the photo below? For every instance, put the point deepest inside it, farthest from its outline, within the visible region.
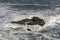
(14, 12)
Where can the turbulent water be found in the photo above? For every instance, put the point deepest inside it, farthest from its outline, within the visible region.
(15, 11)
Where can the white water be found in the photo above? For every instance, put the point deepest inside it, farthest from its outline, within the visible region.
(51, 18)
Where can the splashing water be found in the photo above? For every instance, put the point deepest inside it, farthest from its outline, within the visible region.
(9, 31)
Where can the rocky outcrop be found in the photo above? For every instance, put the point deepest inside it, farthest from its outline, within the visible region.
(32, 21)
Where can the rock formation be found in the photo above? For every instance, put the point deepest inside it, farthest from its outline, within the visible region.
(32, 21)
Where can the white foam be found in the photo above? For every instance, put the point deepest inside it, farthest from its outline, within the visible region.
(49, 20)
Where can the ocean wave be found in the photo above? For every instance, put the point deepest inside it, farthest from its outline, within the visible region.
(9, 30)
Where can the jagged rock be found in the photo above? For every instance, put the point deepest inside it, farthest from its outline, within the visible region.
(32, 21)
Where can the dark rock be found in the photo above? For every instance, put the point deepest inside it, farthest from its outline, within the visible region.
(32, 21)
(38, 21)
(21, 22)
(29, 29)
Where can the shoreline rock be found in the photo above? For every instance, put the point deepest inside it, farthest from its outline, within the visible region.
(32, 21)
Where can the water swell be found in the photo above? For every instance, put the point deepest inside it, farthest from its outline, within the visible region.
(49, 2)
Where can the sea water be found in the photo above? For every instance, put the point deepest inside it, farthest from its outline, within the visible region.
(15, 11)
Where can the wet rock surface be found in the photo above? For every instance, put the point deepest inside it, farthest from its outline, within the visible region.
(32, 21)
(29, 29)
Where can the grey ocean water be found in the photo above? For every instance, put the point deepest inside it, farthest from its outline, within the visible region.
(14, 10)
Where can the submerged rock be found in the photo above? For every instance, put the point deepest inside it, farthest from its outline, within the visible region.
(32, 21)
